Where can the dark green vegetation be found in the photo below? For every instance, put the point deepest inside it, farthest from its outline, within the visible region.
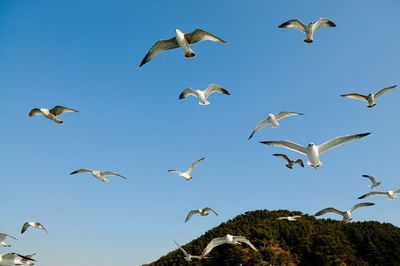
(307, 241)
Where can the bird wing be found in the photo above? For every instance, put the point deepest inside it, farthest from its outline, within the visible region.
(283, 156)
(355, 96)
(57, 110)
(286, 114)
(199, 35)
(384, 90)
(25, 227)
(108, 173)
(362, 204)
(3, 236)
(372, 193)
(209, 209)
(35, 111)
(174, 171)
(288, 145)
(39, 224)
(215, 88)
(294, 23)
(212, 244)
(259, 126)
(324, 22)
(13, 256)
(82, 170)
(181, 248)
(370, 178)
(244, 240)
(190, 214)
(187, 92)
(397, 191)
(327, 210)
(158, 47)
(193, 165)
(299, 161)
(330, 144)
(283, 218)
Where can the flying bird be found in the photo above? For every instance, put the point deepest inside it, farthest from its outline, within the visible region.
(390, 194)
(373, 181)
(188, 257)
(101, 175)
(186, 175)
(202, 95)
(308, 29)
(34, 225)
(313, 151)
(180, 40)
(290, 163)
(370, 98)
(228, 239)
(289, 218)
(53, 113)
(273, 119)
(346, 214)
(3, 238)
(13, 259)
(202, 212)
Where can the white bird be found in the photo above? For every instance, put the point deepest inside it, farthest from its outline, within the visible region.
(289, 218)
(101, 175)
(370, 98)
(34, 225)
(308, 29)
(290, 163)
(346, 214)
(228, 239)
(313, 151)
(180, 40)
(202, 95)
(188, 257)
(202, 212)
(273, 119)
(186, 175)
(373, 181)
(3, 238)
(52, 113)
(13, 259)
(390, 194)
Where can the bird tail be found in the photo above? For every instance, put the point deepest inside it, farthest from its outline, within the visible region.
(190, 53)
(204, 103)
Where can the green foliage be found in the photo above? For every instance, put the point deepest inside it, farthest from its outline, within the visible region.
(305, 242)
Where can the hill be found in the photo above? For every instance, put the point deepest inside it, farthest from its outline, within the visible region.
(308, 241)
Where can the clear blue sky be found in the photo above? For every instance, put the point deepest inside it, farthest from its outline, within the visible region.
(85, 55)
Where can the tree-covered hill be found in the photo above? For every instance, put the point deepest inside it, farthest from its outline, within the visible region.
(307, 241)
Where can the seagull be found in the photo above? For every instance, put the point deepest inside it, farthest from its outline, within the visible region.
(32, 224)
(346, 214)
(188, 257)
(203, 94)
(202, 212)
(186, 175)
(3, 238)
(228, 239)
(273, 119)
(308, 29)
(390, 194)
(370, 98)
(374, 183)
(52, 113)
(290, 163)
(180, 40)
(101, 175)
(289, 218)
(313, 151)
(13, 259)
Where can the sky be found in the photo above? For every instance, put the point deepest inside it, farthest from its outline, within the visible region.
(85, 55)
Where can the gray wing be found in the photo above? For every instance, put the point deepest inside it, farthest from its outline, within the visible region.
(299, 161)
(25, 227)
(397, 191)
(3, 236)
(14, 256)
(372, 193)
(35, 111)
(181, 248)
(283, 218)
(158, 47)
(286, 114)
(209, 209)
(82, 170)
(193, 165)
(294, 23)
(108, 173)
(330, 144)
(356, 96)
(245, 240)
(288, 145)
(371, 178)
(324, 22)
(212, 244)
(187, 92)
(174, 171)
(384, 90)
(283, 156)
(190, 214)
(259, 126)
(199, 35)
(328, 210)
(215, 88)
(362, 204)
(57, 110)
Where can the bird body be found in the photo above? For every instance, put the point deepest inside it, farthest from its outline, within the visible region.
(370, 98)
(53, 113)
(309, 29)
(345, 214)
(202, 212)
(202, 95)
(187, 174)
(100, 175)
